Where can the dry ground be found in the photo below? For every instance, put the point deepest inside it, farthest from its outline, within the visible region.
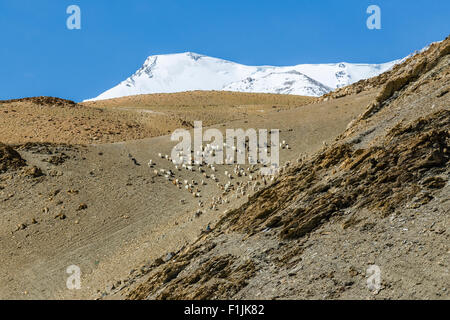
(378, 195)
(130, 118)
(131, 217)
(372, 188)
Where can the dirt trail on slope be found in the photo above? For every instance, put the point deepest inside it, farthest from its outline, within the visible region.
(101, 208)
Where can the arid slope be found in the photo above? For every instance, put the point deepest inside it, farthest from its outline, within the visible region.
(378, 195)
(53, 120)
(65, 201)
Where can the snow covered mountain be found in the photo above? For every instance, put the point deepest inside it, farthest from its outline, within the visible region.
(190, 71)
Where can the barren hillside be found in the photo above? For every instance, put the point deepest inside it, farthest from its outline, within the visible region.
(364, 182)
(53, 120)
(65, 201)
(378, 195)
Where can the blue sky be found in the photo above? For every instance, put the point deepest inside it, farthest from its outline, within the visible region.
(40, 56)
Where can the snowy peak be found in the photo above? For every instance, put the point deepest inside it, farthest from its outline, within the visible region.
(192, 71)
(280, 82)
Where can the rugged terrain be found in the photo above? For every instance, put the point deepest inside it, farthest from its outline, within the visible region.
(70, 202)
(365, 182)
(378, 195)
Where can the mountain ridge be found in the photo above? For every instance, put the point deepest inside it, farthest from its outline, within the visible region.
(188, 71)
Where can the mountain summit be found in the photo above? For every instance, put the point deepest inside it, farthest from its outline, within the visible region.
(191, 71)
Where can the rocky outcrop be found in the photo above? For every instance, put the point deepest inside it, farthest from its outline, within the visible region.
(47, 101)
(10, 159)
(396, 78)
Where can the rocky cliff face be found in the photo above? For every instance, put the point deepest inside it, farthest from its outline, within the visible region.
(378, 195)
